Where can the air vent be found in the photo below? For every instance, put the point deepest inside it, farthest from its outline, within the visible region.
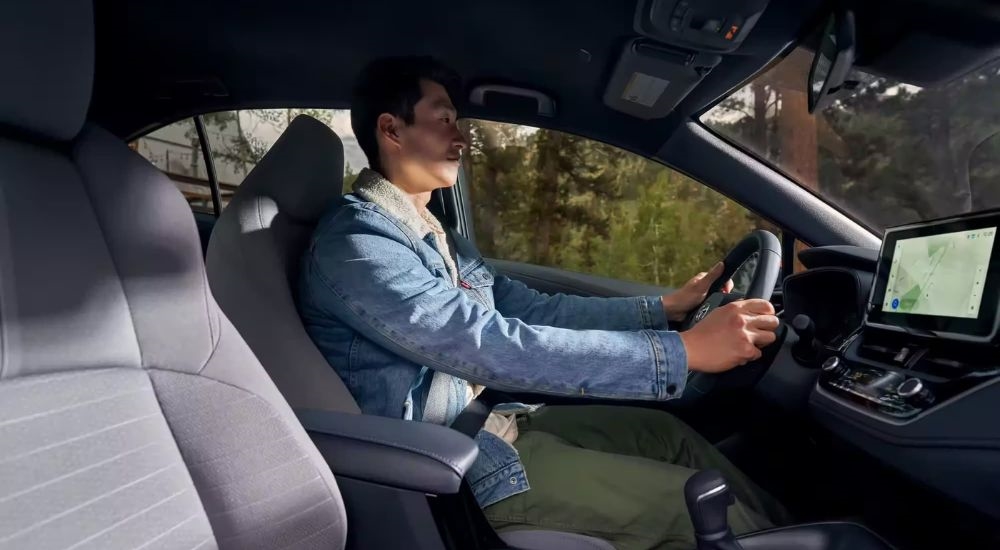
(954, 365)
(880, 353)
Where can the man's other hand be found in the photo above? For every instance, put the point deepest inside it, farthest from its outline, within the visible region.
(681, 301)
(730, 336)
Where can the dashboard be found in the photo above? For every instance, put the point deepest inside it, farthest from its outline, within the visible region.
(897, 352)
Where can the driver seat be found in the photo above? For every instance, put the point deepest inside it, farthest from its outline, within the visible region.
(252, 263)
(253, 260)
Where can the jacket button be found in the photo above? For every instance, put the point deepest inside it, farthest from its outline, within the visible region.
(671, 389)
(513, 480)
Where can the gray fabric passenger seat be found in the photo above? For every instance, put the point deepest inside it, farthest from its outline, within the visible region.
(132, 414)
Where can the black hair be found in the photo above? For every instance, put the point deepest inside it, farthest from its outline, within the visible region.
(392, 85)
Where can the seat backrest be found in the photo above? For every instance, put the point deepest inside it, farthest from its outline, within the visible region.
(132, 413)
(254, 254)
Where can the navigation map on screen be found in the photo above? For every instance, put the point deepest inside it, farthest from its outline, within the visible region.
(941, 275)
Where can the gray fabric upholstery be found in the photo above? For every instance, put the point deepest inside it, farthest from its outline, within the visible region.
(88, 460)
(132, 414)
(254, 254)
(260, 489)
(552, 540)
(47, 62)
(100, 268)
(154, 245)
(52, 321)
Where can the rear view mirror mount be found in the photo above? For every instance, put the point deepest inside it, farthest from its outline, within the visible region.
(828, 77)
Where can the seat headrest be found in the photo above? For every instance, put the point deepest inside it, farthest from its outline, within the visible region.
(302, 172)
(47, 63)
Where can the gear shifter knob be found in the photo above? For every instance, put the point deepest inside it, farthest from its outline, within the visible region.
(807, 348)
(708, 500)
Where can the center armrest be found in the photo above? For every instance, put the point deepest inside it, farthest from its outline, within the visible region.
(400, 453)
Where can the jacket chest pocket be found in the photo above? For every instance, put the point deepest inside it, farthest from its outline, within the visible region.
(477, 283)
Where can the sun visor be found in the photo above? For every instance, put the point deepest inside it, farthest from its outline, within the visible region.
(650, 80)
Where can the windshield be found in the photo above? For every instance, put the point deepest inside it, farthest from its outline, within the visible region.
(888, 154)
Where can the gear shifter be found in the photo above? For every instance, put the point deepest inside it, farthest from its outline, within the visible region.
(806, 350)
(708, 500)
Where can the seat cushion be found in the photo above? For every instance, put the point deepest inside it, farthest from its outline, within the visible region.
(89, 460)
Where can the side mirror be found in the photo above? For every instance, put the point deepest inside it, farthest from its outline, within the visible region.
(833, 62)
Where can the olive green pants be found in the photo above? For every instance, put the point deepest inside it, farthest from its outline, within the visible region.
(618, 474)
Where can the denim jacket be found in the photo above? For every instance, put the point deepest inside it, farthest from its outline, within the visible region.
(378, 302)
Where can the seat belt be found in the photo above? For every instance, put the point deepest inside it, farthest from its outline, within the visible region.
(473, 416)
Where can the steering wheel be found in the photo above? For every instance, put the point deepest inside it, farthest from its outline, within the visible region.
(768, 250)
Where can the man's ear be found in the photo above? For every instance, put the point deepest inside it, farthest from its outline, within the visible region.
(388, 129)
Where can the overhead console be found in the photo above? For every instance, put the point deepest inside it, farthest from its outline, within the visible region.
(931, 327)
(712, 25)
(680, 43)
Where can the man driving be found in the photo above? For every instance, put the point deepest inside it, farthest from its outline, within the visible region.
(416, 324)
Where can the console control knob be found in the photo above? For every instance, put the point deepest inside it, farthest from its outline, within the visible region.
(915, 392)
(832, 366)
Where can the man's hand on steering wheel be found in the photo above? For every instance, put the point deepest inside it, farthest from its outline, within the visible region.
(682, 301)
(720, 337)
(730, 336)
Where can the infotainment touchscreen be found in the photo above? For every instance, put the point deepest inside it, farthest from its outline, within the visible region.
(940, 274)
(941, 278)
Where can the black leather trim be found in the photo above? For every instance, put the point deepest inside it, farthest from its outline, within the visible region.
(409, 455)
(815, 536)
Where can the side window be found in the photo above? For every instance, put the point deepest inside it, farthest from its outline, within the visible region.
(176, 150)
(553, 199)
(237, 141)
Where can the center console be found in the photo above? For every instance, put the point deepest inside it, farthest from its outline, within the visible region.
(931, 325)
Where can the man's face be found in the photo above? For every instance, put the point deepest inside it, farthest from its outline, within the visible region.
(430, 148)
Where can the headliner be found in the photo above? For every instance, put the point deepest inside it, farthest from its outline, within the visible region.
(297, 53)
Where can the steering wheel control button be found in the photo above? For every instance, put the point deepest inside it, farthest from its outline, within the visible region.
(915, 392)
